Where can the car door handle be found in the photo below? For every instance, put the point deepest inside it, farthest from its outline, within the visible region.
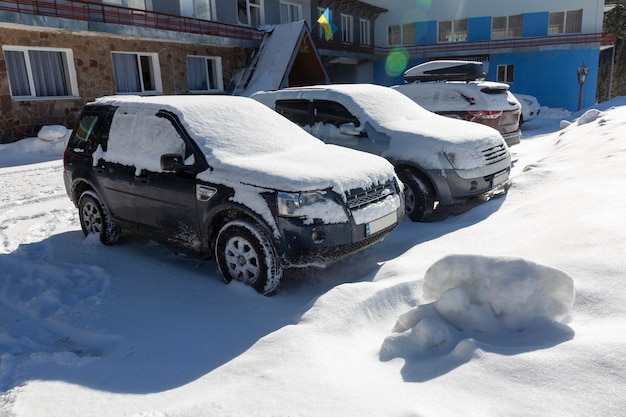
(142, 178)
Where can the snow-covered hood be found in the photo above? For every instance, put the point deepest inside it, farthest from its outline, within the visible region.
(306, 168)
(416, 140)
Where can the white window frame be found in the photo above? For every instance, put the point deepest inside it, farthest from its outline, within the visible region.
(561, 28)
(506, 31)
(293, 12)
(154, 69)
(365, 34)
(505, 73)
(216, 64)
(250, 5)
(200, 9)
(347, 28)
(70, 80)
(455, 35)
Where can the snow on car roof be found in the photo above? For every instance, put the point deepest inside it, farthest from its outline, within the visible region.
(460, 96)
(240, 135)
(413, 129)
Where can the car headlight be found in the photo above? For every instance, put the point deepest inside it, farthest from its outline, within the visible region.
(289, 203)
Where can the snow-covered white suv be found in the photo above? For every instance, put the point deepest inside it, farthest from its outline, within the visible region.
(226, 175)
(439, 159)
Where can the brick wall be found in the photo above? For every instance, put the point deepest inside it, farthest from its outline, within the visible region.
(94, 73)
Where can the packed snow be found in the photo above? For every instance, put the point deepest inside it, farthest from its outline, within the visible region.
(514, 306)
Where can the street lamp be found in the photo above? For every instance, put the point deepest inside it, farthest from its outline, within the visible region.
(582, 77)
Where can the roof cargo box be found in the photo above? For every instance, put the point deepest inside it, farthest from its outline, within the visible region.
(445, 71)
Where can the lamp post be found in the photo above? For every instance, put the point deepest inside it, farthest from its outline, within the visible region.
(582, 77)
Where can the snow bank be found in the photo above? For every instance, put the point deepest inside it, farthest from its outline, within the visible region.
(495, 300)
(53, 133)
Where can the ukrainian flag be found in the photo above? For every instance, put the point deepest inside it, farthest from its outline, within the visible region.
(326, 21)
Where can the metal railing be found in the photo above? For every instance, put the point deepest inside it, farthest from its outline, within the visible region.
(491, 45)
(108, 13)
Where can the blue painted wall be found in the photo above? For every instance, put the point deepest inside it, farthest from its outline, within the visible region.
(426, 32)
(548, 75)
(479, 29)
(535, 24)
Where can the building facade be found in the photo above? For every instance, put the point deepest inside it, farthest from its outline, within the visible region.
(59, 54)
(535, 46)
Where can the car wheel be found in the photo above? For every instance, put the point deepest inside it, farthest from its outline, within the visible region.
(94, 219)
(418, 195)
(244, 253)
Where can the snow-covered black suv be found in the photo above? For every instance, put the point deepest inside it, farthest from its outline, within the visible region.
(228, 176)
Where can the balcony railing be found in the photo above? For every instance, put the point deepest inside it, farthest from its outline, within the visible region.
(108, 13)
(483, 46)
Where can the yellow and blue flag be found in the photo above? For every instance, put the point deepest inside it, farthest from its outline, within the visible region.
(326, 21)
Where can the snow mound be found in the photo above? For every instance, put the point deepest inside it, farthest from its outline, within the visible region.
(497, 300)
(53, 133)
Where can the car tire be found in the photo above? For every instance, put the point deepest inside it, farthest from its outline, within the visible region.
(418, 195)
(95, 219)
(245, 253)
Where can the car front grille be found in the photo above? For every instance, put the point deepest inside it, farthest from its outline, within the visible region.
(361, 198)
(494, 154)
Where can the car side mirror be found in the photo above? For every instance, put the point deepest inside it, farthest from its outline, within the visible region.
(172, 162)
(349, 129)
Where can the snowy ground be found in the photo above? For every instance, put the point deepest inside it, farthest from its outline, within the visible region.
(515, 307)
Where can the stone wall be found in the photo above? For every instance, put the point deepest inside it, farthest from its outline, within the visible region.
(94, 72)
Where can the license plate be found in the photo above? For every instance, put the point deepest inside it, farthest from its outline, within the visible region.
(498, 179)
(380, 224)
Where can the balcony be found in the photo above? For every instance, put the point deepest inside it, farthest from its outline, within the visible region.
(111, 14)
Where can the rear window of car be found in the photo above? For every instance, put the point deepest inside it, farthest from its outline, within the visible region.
(83, 132)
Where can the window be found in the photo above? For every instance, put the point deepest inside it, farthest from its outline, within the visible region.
(556, 23)
(565, 22)
(506, 73)
(82, 135)
(298, 111)
(205, 73)
(40, 72)
(250, 12)
(201, 9)
(408, 33)
(516, 25)
(136, 72)
(290, 12)
(507, 26)
(347, 30)
(133, 4)
(453, 30)
(333, 113)
(394, 35)
(365, 36)
(574, 21)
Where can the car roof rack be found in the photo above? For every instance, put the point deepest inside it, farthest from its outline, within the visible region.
(445, 71)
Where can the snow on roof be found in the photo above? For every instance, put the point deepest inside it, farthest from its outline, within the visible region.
(459, 96)
(415, 131)
(238, 134)
(272, 62)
